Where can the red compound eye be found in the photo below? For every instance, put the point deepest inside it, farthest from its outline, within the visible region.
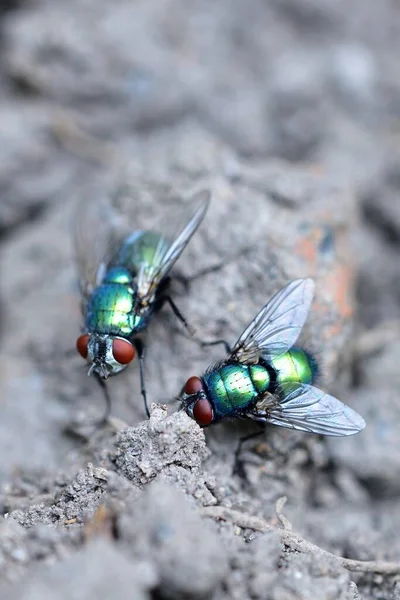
(82, 345)
(202, 412)
(194, 385)
(123, 351)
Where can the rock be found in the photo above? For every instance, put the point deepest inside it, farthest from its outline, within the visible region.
(33, 176)
(380, 365)
(12, 543)
(76, 502)
(304, 577)
(162, 527)
(20, 548)
(373, 455)
(354, 73)
(145, 451)
(98, 572)
(396, 591)
(264, 554)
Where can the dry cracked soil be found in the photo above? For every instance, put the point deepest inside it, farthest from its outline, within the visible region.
(289, 112)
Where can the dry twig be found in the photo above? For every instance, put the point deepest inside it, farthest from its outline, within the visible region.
(296, 542)
(279, 504)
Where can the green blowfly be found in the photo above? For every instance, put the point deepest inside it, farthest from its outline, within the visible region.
(124, 276)
(267, 378)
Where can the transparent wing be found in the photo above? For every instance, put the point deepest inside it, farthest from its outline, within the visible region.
(95, 227)
(172, 245)
(307, 408)
(278, 325)
(101, 224)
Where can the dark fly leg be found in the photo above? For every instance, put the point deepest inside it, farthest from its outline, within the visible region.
(188, 280)
(140, 348)
(225, 344)
(166, 299)
(238, 468)
(107, 398)
(163, 297)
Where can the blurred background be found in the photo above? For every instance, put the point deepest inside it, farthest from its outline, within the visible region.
(289, 112)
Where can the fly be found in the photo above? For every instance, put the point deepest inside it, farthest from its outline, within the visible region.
(124, 280)
(267, 378)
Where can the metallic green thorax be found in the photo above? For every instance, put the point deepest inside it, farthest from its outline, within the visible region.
(110, 309)
(232, 388)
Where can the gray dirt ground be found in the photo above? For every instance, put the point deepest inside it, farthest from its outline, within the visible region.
(289, 111)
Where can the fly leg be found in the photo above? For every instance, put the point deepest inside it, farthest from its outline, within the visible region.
(140, 347)
(107, 398)
(187, 280)
(188, 327)
(167, 299)
(238, 468)
(225, 344)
